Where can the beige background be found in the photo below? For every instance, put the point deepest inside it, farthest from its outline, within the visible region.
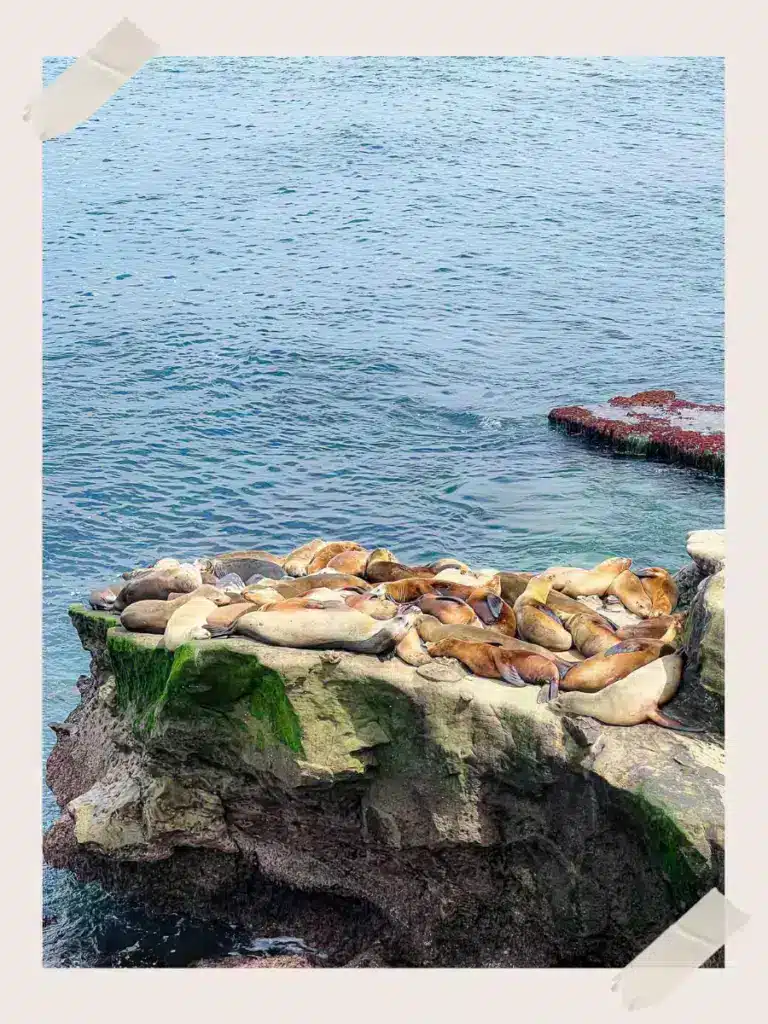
(34, 30)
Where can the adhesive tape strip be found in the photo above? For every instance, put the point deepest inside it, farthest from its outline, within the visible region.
(79, 91)
(682, 948)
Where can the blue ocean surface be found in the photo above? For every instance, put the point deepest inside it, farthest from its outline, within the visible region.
(291, 297)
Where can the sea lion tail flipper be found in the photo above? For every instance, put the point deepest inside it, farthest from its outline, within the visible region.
(547, 692)
(659, 718)
(510, 675)
(563, 668)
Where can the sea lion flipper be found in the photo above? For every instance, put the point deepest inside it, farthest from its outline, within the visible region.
(547, 693)
(659, 718)
(552, 615)
(510, 675)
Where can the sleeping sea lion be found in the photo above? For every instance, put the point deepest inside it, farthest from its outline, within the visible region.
(405, 591)
(246, 566)
(376, 607)
(341, 628)
(432, 631)
(494, 662)
(219, 597)
(296, 561)
(629, 590)
(221, 621)
(493, 610)
(231, 583)
(259, 597)
(449, 563)
(151, 616)
(512, 585)
(322, 557)
(448, 610)
(618, 661)
(352, 562)
(667, 628)
(632, 700)
(264, 556)
(157, 586)
(589, 636)
(102, 599)
(660, 588)
(412, 649)
(536, 622)
(330, 580)
(588, 582)
(389, 572)
(188, 623)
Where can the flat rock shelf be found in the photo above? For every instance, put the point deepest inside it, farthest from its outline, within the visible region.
(444, 819)
(653, 424)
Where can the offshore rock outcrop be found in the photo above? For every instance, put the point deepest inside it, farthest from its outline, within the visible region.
(444, 819)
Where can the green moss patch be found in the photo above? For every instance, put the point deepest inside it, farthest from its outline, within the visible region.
(92, 626)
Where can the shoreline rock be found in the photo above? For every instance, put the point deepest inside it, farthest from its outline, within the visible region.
(359, 804)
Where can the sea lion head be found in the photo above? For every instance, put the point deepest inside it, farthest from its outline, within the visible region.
(538, 589)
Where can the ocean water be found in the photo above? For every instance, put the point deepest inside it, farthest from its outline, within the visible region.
(337, 296)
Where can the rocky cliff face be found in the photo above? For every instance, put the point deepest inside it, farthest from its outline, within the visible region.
(447, 819)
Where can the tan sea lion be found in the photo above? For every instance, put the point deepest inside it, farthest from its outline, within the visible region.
(406, 590)
(221, 622)
(264, 556)
(166, 564)
(449, 563)
(352, 562)
(259, 597)
(493, 610)
(330, 580)
(219, 597)
(591, 582)
(660, 588)
(618, 661)
(320, 597)
(341, 628)
(461, 576)
(495, 662)
(188, 623)
(632, 700)
(536, 622)
(377, 607)
(412, 650)
(512, 585)
(322, 557)
(629, 590)
(156, 586)
(296, 561)
(247, 565)
(433, 631)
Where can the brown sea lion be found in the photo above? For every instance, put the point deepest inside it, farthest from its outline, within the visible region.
(405, 591)
(341, 628)
(259, 597)
(536, 622)
(102, 599)
(318, 598)
(352, 562)
(264, 556)
(150, 616)
(632, 700)
(390, 572)
(589, 637)
(157, 587)
(618, 661)
(660, 588)
(432, 631)
(322, 557)
(219, 597)
(629, 590)
(296, 561)
(411, 649)
(493, 610)
(667, 628)
(188, 623)
(512, 585)
(448, 610)
(495, 662)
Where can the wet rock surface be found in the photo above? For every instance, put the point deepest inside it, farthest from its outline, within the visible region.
(449, 821)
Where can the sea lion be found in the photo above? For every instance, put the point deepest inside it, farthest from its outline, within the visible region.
(589, 637)
(449, 563)
(461, 576)
(218, 597)
(494, 662)
(632, 700)
(342, 628)
(563, 606)
(405, 591)
(389, 572)
(660, 588)
(264, 556)
(412, 650)
(259, 597)
(589, 582)
(318, 598)
(322, 557)
(448, 610)
(536, 622)
(221, 621)
(353, 562)
(188, 623)
(667, 628)
(377, 607)
(165, 564)
(102, 599)
(151, 616)
(247, 565)
(432, 631)
(231, 583)
(296, 561)
(157, 586)
(330, 580)
(629, 590)
(512, 585)
(618, 661)
(493, 610)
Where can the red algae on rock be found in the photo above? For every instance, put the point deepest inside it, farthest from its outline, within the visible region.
(655, 424)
